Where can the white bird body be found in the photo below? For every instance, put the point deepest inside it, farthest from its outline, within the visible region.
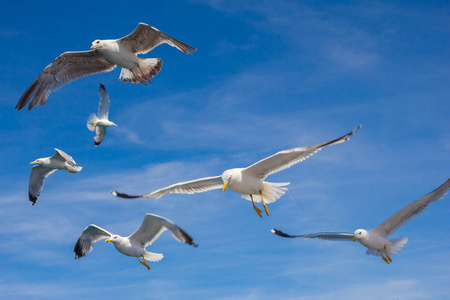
(134, 245)
(116, 53)
(375, 240)
(124, 246)
(248, 181)
(241, 183)
(45, 167)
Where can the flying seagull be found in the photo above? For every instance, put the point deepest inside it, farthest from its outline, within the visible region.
(376, 239)
(104, 56)
(46, 166)
(135, 244)
(100, 122)
(247, 181)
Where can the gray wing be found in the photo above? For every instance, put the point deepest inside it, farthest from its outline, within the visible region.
(66, 68)
(145, 37)
(186, 187)
(63, 156)
(284, 159)
(88, 237)
(410, 211)
(101, 134)
(103, 106)
(36, 183)
(152, 227)
(336, 236)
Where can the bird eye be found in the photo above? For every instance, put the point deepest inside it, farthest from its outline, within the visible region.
(98, 42)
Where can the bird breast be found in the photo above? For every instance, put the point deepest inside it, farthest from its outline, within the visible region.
(117, 54)
(246, 185)
(373, 241)
(125, 247)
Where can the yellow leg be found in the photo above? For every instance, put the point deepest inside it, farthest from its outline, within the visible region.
(387, 255)
(258, 211)
(265, 207)
(94, 125)
(144, 262)
(384, 258)
(70, 171)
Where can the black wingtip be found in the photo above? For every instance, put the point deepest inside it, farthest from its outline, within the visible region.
(32, 199)
(78, 251)
(102, 87)
(281, 233)
(122, 195)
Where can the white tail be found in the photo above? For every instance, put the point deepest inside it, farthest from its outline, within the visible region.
(143, 71)
(150, 256)
(91, 121)
(393, 248)
(272, 191)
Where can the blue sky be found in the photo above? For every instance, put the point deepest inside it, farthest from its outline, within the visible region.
(267, 76)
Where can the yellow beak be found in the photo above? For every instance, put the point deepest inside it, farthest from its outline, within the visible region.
(108, 240)
(224, 186)
(355, 238)
(33, 162)
(115, 125)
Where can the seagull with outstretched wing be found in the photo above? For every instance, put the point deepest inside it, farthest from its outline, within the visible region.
(104, 56)
(46, 166)
(134, 245)
(376, 239)
(247, 181)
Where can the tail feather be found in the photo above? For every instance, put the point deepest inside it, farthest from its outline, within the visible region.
(150, 256)
(143, 71)
(272, 191)
(91, 121)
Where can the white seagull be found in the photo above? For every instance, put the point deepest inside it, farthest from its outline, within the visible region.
(376, 239)
(247, 181)
(135, 244)
(104, 56)
(100, 122)
(46, 166)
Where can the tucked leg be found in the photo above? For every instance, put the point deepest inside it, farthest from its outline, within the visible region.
(264, 204)
(258, 211)
(144, 262)
(70, 171)
(387, 255)
(384, 258)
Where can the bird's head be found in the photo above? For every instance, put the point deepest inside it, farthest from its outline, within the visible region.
(359, 233)
(96, 44)
(36, 162)
(227, 177)
(113, 239)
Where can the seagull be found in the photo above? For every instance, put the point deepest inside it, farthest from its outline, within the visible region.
(46, 166)
(135, 244)
(100, 122)
(104, 56)
(247, 181)
(376, 239)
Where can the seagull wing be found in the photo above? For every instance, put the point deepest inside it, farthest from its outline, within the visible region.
(103, 106)
(152, 227)
(64, 69)
(284, 159)
(186, 187)
(145, 37)
(36, 183)
(101, 134)
(336, 236)
(64, 157)
(88, 237)
(410, 211)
